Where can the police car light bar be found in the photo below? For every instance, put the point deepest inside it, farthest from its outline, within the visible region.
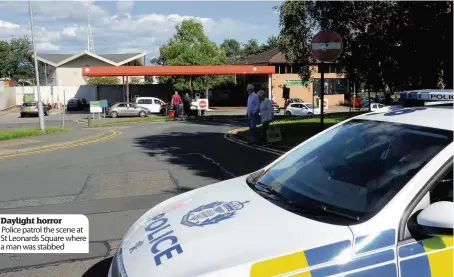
(419, 97)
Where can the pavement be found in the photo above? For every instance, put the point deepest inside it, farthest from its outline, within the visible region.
(115, 181)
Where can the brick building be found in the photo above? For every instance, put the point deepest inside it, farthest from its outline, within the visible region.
(286, 83)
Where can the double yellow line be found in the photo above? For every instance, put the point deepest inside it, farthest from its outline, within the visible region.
(230, 135)
(99, 138)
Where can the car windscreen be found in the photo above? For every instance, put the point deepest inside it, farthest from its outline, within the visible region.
(357, 167)
(29, 104)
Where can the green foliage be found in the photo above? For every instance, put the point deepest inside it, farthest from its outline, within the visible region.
(233, 50)
(16, 59)
(135, 80)
(388, 45)
(94, 81)
(251, 47)
(189, 46)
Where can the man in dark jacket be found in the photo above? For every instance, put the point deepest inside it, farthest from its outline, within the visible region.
(187, 104)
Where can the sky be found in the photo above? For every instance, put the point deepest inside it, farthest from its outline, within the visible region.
(133, 26)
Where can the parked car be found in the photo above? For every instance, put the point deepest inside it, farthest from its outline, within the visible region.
(292, 100)
(301, 109)
(152, 103)
(31, 108)
(126, 109)
(74, 104)
(373, 107)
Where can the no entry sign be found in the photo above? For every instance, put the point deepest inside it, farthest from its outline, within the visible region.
(202, 104)
(326, 46)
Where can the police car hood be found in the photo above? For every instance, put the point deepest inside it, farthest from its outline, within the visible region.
(217, 228)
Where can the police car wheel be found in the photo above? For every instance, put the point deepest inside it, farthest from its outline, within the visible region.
(288, 113)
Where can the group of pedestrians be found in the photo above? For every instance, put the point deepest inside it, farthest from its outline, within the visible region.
(259, 110)
(178, 103)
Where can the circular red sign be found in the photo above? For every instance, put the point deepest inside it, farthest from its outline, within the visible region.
(325, 104)
(326, 46)
(202, 104)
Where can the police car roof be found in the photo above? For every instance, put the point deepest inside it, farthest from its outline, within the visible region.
(432, 116)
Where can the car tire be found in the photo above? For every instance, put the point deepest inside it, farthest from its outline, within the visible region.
(114, 114)
(287, 113)
(142, 114)
(310, 114)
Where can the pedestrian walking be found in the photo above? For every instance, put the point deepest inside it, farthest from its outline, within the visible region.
(266, 114)
(253, 109)
(187, 104)
(176, 101)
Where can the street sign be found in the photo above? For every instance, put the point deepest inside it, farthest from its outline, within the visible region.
(202, 104)
(326, 46)
(298, 82)
(95, 107)
(103, 103)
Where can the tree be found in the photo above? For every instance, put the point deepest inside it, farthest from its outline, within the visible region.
(251, 47)
(271, 42)
(17, 59)
(189, 46)
(382, 40)
(96, 81)
(134, 80)
(233, 50)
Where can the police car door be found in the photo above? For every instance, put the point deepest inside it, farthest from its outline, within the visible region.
(421, 254)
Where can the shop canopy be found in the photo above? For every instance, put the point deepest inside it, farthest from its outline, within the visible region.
(194, 70)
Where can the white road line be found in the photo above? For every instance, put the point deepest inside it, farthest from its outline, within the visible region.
(214, 162)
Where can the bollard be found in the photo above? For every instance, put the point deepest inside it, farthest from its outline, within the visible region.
(89, 121)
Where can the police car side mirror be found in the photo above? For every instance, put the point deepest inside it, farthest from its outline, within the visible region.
(437, 219)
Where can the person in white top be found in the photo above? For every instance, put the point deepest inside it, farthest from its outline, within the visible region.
(266, 113)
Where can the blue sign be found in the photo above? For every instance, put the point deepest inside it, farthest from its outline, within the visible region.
(403, 111)
(103, 103)
(212, 213)
(160, 236)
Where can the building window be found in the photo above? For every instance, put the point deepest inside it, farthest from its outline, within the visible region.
(332, 86)
(332, 68)
(285, 92)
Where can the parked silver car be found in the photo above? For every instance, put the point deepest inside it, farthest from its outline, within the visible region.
(31, 108)
(126, 109)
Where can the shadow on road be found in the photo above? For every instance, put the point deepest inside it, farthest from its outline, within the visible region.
(206, 154)
(99, 269)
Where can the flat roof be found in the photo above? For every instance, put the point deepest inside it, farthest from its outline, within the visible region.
(153, 70)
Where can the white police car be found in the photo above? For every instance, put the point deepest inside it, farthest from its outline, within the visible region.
(371, 196)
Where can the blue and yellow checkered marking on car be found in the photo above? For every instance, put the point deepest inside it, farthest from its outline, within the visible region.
(301, 260)
(432, 257)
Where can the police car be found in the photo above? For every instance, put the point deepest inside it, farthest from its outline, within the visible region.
(371, 196)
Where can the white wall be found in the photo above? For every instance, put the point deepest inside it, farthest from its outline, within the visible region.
(12, 96)
(7, 98)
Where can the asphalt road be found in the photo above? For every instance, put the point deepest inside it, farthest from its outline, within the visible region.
(114, 182)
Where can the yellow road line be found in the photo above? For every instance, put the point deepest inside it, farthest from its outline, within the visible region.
(228, 136)
(103, 137)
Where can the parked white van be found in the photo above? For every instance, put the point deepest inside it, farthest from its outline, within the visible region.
(151, 103)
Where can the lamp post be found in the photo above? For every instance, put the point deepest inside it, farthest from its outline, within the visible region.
(40, 104)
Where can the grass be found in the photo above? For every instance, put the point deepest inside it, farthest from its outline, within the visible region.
(131, 120)
(305, 127)
(28, 132)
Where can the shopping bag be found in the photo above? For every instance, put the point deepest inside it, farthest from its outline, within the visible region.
(273, 134)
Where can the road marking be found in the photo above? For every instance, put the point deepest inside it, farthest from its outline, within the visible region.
(229, 136)
(113, 133)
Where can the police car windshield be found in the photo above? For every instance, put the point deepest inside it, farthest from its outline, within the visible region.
(357, 167)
